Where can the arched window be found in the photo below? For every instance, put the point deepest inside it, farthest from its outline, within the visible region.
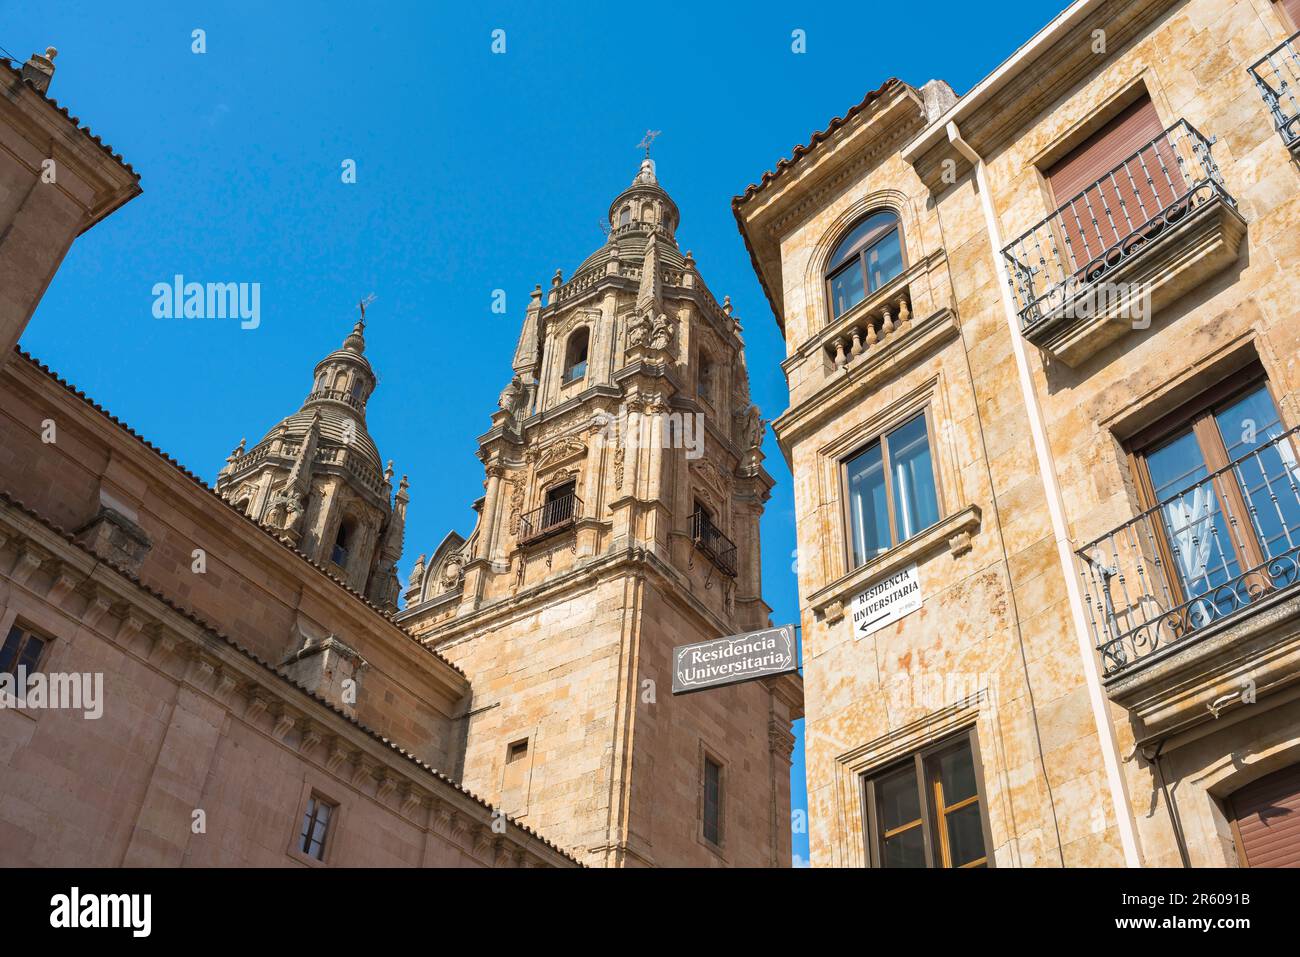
(625, 216)
(357, 386)
(869, 256)
(340, 381)
(704, 379)
(575, 355)
(342, 542)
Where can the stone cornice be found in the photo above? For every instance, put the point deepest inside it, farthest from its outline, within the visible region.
(221, 523)
(953, 532)
(857, 378)
(156, 631)
(988, 122)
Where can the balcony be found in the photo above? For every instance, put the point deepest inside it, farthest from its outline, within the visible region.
(715, 546)
(550, 519)
(1156, 225)
(1277, 76)
(1197, 594)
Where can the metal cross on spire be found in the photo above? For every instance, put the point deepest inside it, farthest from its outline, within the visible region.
(648, 140)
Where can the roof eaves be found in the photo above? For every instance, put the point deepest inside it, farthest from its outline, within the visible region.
(68, 387)
(85, 130)
(278, 672)
(783, 166)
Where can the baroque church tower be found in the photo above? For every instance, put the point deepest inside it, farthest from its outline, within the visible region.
(316, 478)
(623, 490)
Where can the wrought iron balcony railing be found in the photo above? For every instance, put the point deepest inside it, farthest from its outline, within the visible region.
(1067, 255)
(717, 547)
(1277, 75)
(1197, 558)
(555, 516)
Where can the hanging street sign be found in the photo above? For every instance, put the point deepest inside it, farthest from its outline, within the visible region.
(886, 601)
(735, 658)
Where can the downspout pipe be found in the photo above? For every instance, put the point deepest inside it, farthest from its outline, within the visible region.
(1056, 511)
(1153, 756)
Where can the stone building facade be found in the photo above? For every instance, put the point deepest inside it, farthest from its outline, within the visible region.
(623, 489)
(234, 687)
(1041, 350)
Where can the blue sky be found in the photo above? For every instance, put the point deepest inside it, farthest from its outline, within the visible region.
(475, 172)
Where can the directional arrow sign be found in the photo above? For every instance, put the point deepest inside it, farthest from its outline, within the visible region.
(886, 601)
(725, 661)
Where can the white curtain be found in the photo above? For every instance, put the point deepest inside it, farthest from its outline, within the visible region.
(1190, 521)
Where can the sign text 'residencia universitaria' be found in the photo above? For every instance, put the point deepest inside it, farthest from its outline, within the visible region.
(724, 661)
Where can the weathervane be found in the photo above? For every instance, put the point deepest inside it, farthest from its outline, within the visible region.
(365, 302)
(647, 141)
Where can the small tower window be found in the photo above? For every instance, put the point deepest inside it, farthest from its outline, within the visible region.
(357, 386)
(704, 379)
(340, 381)
(342, 542)
(625, 216)
(575, 356)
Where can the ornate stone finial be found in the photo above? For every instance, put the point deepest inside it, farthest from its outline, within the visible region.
(417, 573)
(558, 278)
(388, 472)
(39, 70)
(726, 305)
(536, 294)
(403, 485)
(238, 450)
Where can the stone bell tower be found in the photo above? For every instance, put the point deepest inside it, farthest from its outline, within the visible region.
(317, 479)
(623, 489)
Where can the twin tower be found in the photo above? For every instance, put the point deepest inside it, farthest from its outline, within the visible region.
(623, 489)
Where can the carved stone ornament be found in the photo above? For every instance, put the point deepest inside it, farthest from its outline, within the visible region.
(561, 451)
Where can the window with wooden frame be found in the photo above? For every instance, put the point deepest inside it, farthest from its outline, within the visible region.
(928, 810)
(891, 490)
(315, 831)
(22, 648)
(1222, 479)
(712, 801)
(868, 257)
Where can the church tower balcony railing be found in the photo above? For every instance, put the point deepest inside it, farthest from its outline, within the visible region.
(718, 548)
(553, 517)
(338, 395)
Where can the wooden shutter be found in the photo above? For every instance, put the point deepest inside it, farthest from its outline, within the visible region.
(1267, 820)
(1099, 206)
(1292, 8)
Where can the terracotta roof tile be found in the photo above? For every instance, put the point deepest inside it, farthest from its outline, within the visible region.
(782, 166)
(234, 511)
(16, 69)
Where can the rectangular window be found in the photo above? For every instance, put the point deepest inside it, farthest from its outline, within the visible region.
(1225, 486)
(315, 827)
(928, 811)
(1113, 183)
(712, 802)
(517, 751)
(891, 491)
(22, 649)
